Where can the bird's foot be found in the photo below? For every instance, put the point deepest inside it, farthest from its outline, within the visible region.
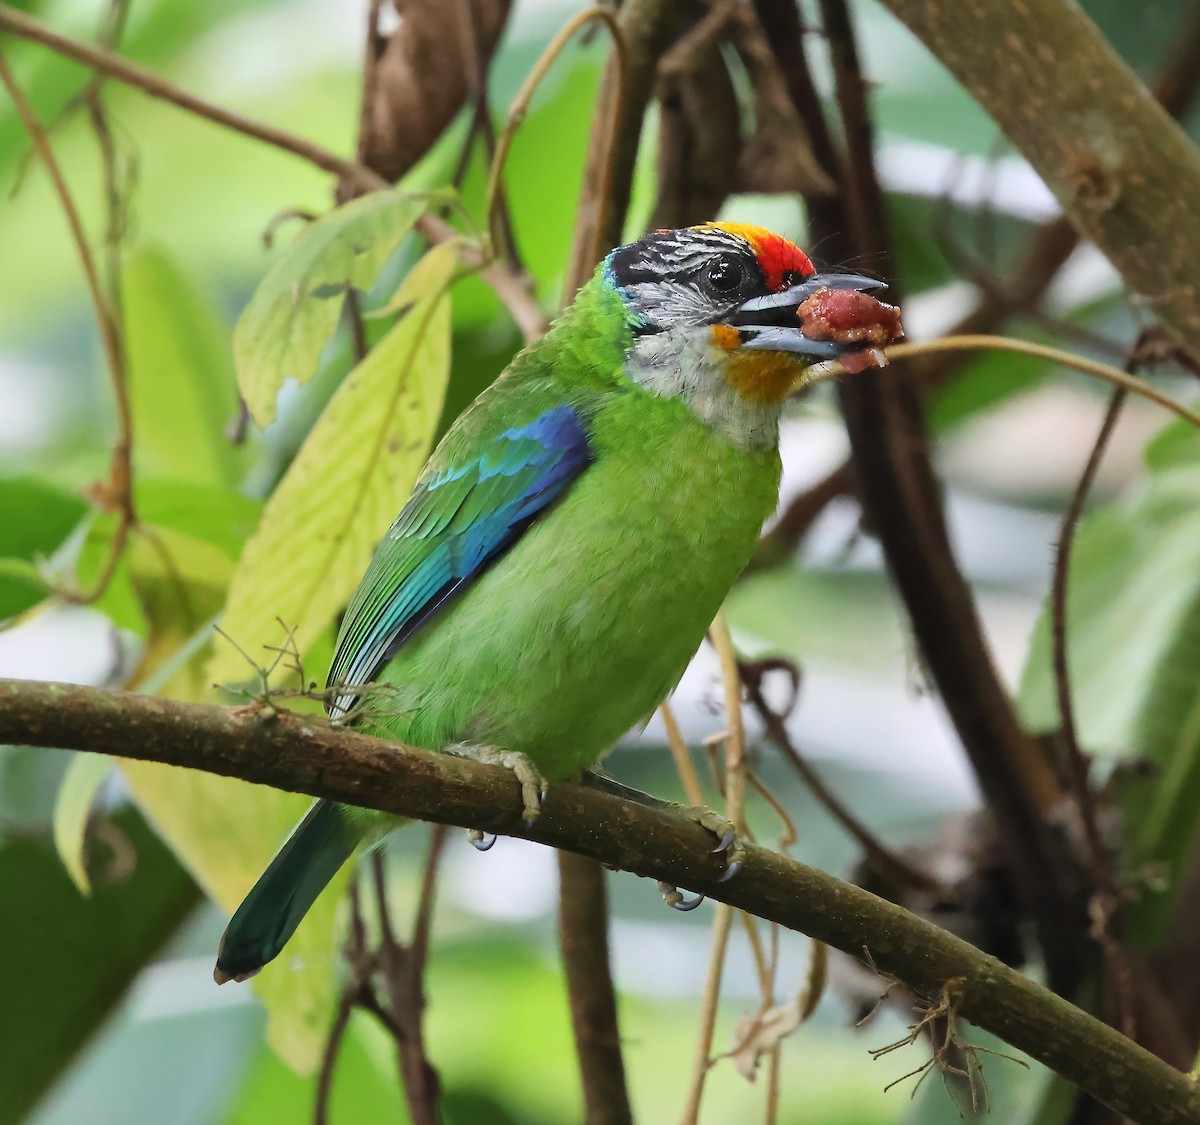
(727, 842)
(533, 784)
(481, 841)
(676, 899)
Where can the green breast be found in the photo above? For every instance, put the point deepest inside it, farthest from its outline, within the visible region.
(586, 624)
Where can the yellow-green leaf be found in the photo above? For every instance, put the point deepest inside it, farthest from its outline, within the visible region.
(73, 810)
(342, 491)
(225, 831)
(295, 309)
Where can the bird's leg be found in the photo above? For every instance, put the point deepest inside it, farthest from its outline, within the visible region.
(533, 785)
(602, 783)
(726, 833)
(676, 899)
(727, 841)
(720, 826)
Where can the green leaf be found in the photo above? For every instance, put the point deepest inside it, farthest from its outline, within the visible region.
(221, 517)
(1177, 443)
(73, 811)
(68, 959)
(181, 380)
(291, 316)
(35, 517)
(364, 1085)
(360, 461)
(1161, 804)
(983, 383)
(1135, 573)
(1133, 623)
(21, 587)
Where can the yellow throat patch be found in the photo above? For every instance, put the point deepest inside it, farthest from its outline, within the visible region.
(758, 376)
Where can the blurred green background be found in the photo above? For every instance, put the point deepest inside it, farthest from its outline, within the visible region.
(108, 1008)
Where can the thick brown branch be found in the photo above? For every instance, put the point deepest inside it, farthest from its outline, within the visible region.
(583, 934)
(902, 500)
(1124, 172)
(299, 753)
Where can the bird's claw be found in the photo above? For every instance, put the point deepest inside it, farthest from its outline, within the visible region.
(676, 900)
(534, 786)
(481, 841)
(729, 843)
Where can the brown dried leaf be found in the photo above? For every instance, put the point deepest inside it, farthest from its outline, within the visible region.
(757, 1035)
(425, 72)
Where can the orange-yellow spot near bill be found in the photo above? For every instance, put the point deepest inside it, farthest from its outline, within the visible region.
(726, 336)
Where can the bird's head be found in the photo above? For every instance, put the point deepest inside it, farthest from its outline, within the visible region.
(713, 315)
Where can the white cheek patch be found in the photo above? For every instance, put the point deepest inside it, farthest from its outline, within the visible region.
(682, 363)
(666, 304)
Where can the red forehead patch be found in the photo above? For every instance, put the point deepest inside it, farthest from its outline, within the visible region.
(776, 255)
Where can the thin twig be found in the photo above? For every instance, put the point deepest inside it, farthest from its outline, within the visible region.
(351, 996)
(735, 788)
(422, 1089)
(722, 923)
(358, 326)
(117, 492)
(512, 290)
(735, 741)
(881, 858)
(520, 106)
(681, 755)
(418, 949)
(583, 922)
(1104, 371)
(1106, 900)
(481, 124)
(1058, 613)
(329, 1057)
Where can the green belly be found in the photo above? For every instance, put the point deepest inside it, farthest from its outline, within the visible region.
(587, 623)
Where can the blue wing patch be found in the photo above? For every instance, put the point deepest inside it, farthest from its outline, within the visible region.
(456, 524)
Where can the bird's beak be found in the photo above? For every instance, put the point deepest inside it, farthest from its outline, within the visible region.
(770, 323)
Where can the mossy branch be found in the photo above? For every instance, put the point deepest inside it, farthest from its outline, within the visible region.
(1125, 173)
(301, 753)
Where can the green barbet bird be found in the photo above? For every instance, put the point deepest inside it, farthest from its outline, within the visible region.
(571, 538)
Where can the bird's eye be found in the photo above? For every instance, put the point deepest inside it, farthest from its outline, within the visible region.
(724, 276)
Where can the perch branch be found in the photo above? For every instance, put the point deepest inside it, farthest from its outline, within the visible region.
(299, 753)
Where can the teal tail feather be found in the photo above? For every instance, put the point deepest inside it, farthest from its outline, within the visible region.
(270, 913)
